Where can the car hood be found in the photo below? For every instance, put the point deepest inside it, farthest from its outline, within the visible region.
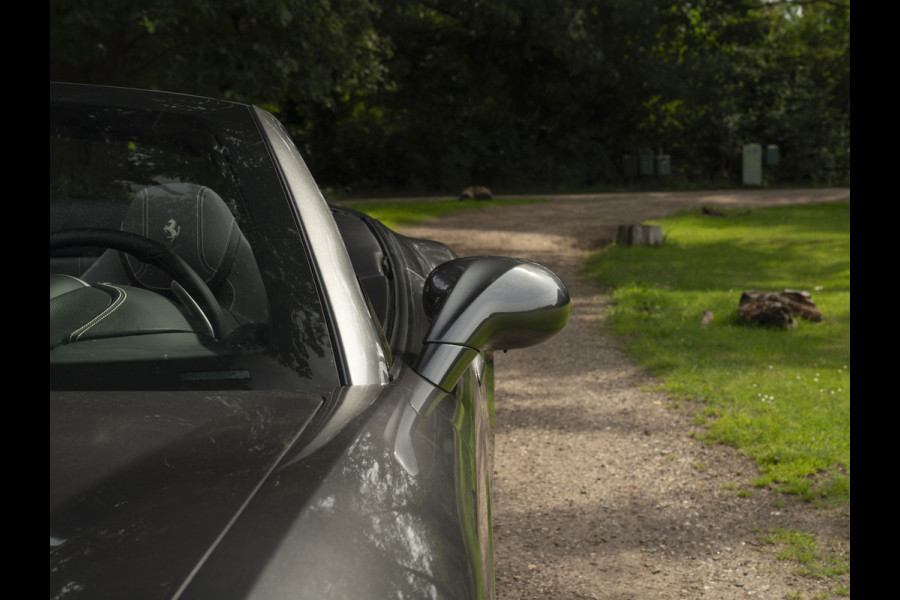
(365, 492)
(145, 483)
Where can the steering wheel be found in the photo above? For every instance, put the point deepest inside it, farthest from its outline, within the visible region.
(154, 253)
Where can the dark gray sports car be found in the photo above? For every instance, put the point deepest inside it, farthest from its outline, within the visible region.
(254, 394)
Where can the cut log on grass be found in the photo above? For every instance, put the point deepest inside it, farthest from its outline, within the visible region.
(777, 309)
(476, 193)
(639, 235)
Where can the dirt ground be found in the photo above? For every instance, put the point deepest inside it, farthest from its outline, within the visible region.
(599, 489)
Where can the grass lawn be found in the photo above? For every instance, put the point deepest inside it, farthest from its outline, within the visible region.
(781, 396)
(401, 214)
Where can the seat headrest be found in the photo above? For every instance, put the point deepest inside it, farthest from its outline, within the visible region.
(193, 221)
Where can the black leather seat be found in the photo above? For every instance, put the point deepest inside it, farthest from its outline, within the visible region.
(195, 223)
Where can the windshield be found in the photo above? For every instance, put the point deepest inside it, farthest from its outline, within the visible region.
(194, 177)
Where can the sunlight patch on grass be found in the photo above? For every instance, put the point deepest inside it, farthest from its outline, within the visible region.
(781, 396)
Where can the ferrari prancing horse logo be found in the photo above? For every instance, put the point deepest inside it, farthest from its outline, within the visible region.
(172, 230)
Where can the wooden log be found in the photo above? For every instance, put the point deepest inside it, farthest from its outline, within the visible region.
(476, 193)
(777, 309)
(639, 235)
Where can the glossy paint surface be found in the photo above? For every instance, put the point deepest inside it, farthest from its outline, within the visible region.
(374, 513)
(254, 495)
(143, 484)
(487, 303)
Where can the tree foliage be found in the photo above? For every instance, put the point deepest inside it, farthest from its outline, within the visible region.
(274, 53)
(440, 94)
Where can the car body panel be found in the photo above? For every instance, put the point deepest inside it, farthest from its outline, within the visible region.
(374, 513)
(146, 483)
(268, 499)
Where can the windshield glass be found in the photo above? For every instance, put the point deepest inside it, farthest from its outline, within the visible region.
(194, 177)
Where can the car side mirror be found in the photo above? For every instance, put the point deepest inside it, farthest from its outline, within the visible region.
(487, 303)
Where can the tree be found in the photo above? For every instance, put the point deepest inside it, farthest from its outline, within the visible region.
(273, 53)
(438, 95)
(727, 72)
(510, 93)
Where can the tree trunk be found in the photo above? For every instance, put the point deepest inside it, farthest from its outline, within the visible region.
(639, 235)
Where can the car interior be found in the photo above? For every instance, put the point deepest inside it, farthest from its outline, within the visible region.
(190, 219)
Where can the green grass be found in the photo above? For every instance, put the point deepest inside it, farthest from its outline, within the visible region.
(814, 557)
(806, 550)
(781, 396)
(403, 214)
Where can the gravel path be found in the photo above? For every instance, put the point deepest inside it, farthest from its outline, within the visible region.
(599, 489)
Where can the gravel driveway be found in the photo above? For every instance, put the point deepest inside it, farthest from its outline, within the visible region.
(599, 489)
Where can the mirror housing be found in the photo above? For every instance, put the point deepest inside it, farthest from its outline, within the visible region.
(487, 303)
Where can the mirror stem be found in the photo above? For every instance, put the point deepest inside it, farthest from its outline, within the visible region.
(444, 364)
